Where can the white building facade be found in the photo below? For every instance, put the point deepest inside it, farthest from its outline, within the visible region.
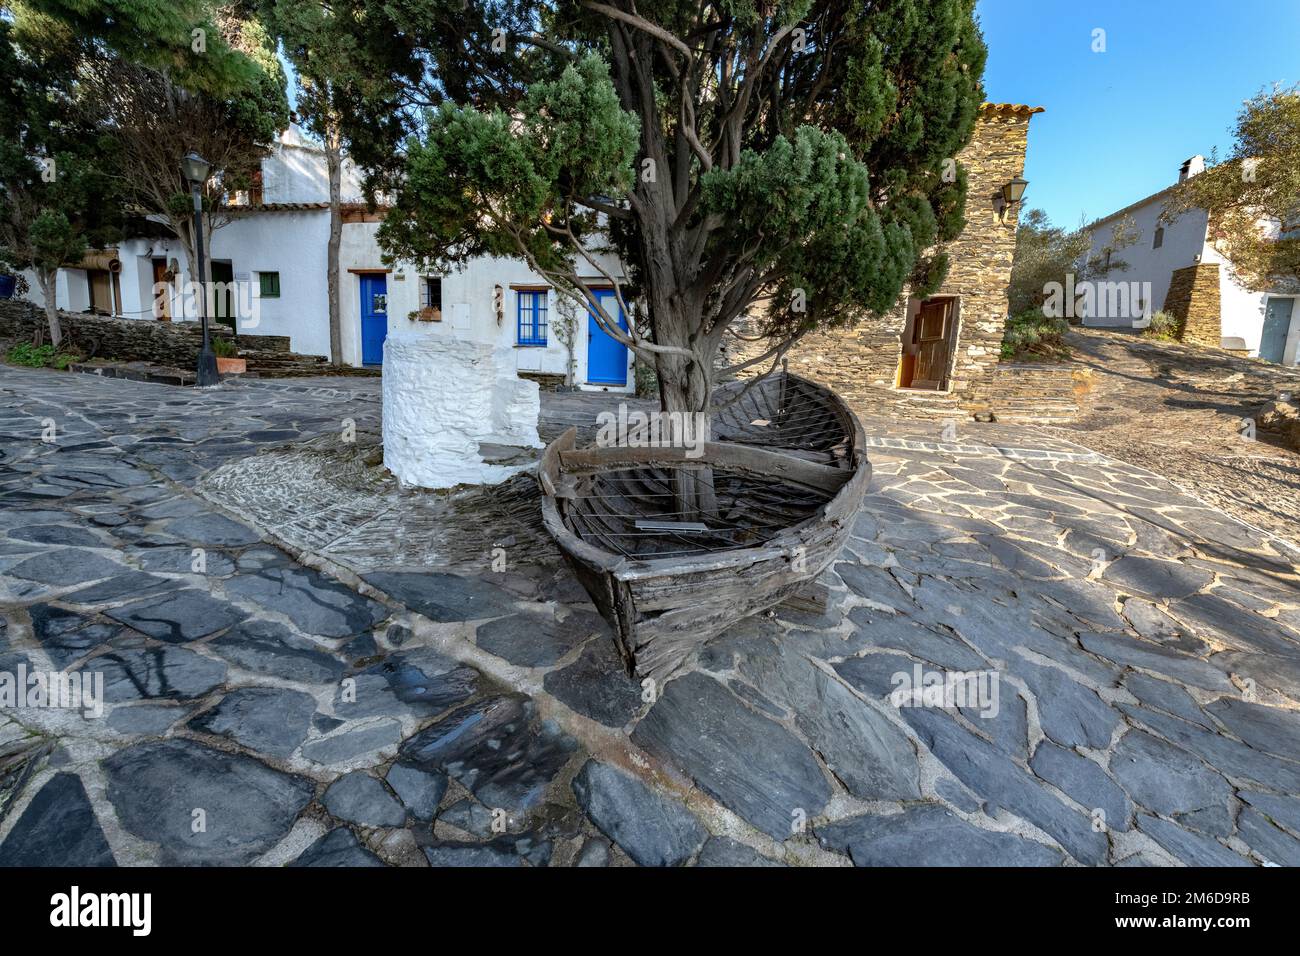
(1176, 268)
(272, 256)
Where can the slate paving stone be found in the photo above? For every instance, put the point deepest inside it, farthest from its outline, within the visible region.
(1217, 619)
(1157, 658)
(723, 851)
(66, 635)
(1230, 757)
(248, 807)
(1156, 578)
(875, 675)
(179, 616)
(1270, 729)
(594, 853)
(452, 853)
(470, 816)
(1284, 811)
(146, 719)
(1070, 713)
(347, 745)
(536, 640)
(961, 798)
(443, 597)
(418, 789)
(1005, 718)
(268, 720)
(1190, 848)
(182, 560)
(869, 754)
(746, 762)
(1270, 842)
(339, 847)
(1267, 670)
(212, 530)
(1166, 696)
(359, 798)
(1164, 778)
(57, 534)
(880, 629)
(648, 826)
(997, 779)
(270, 648)
(171, 673)
(874, 584)
(596, 686)
(65, 566)
(1084, 782)
(423, 683)
(497, 749)
(58, 828)
(930, 835)
(315, 604)
(128, 586)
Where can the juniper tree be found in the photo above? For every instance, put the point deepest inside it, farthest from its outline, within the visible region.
(783, 159)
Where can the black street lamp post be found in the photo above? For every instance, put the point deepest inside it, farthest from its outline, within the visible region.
(195, 168)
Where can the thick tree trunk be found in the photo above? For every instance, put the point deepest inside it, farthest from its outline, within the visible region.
(334, 162)
(49, 290)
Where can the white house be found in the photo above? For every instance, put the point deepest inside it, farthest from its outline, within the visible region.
(272, 255)
(1191, 279)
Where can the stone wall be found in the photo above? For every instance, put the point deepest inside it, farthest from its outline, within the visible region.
(864, 356)
(167, 344)
(1193, 298)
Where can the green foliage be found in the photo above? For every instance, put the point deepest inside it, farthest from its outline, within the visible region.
(1031, 335)
(40, 356)
(1047, 254)
(1253, 196)
(223, 347)
(737, 156)
(57, 196)
(568, 140)
(1164, 325)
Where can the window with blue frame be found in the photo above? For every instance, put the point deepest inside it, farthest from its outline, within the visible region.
(530, 305)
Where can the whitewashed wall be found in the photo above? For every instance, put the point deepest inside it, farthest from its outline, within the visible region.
(1184, 240)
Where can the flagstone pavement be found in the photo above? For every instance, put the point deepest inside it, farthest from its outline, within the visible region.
(304, 664)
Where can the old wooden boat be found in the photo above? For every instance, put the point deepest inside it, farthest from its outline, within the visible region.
(674, 546)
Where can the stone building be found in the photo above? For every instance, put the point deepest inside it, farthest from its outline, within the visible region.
(949, 343)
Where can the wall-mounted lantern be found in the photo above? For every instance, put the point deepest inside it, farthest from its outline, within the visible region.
(1012, 193)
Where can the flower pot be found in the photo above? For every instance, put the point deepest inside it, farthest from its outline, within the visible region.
(231, 366)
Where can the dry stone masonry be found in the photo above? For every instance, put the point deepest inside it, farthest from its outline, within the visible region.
(865, 356)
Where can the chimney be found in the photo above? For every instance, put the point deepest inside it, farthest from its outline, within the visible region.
(1191, 167)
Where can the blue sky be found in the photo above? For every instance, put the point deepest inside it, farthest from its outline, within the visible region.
(1119, 123)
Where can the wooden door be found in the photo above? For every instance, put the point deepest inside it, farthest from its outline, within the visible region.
(933, 330)
(162, 296)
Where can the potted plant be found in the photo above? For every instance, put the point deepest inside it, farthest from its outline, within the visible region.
(227, 353)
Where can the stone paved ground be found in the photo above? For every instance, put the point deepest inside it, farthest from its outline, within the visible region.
(1178, 410)
(289, 682)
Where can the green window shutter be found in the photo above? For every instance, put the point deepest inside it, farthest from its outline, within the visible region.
(270, 283)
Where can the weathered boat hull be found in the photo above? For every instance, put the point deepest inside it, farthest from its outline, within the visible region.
(661, 608)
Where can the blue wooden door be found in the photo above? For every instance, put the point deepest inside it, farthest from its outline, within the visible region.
(606, 358)
(374, 318)
(1277, 323)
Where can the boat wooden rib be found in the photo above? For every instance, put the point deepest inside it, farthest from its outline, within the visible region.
(674, 546)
